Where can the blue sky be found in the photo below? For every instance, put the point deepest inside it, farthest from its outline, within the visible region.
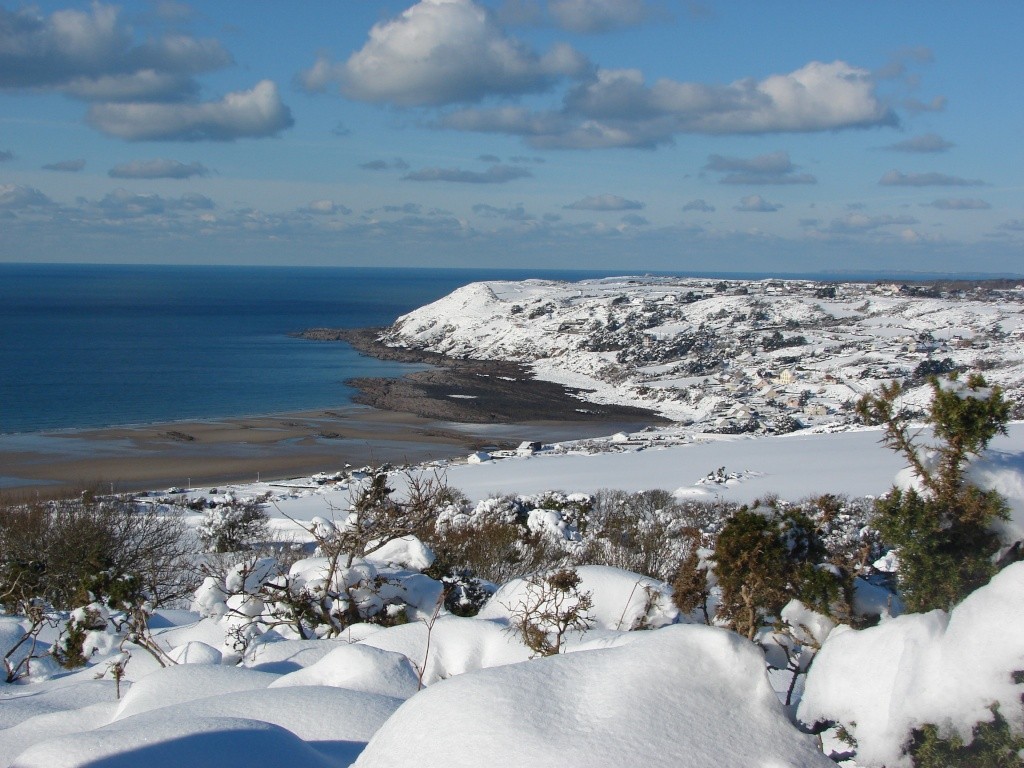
(599, 134)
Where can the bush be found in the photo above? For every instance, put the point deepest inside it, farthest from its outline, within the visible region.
(763, 560)
(55, 551)
(942, 532)
(233, 527)
(993, 745)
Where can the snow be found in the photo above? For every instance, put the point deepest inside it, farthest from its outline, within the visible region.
(677, 696)
(359, 667)
(621, 600)
(923, 668)
(641, 686)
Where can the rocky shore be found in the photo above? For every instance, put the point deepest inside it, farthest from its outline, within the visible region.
(470, 391)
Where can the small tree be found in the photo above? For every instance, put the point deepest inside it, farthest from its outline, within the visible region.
(943, 532)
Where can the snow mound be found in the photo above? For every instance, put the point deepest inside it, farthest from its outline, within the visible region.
(677, 696)
(196, 742)
(622, 600)
(284, 656)
(456, 646)
(359, 667)
(923, 668)
(196, 652)
(317, 714)
(187, 682)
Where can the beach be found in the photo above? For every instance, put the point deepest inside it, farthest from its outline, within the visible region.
(453, 409)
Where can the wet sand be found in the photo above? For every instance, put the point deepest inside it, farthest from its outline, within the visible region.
(454, 408)
(200, 453)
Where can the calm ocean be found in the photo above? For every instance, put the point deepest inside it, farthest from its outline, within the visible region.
(93, 346)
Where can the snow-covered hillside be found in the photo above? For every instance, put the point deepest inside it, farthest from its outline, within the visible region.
(730, 356)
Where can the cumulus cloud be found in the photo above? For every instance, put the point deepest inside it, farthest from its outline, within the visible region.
(412, 209)
(442, 52)
(898, 179)
(257, 112)
(15, 196)
(605, 203)
(496, 174)
(157, 169)
(772, 168)
(756, 204)
(326, 208)
(90, 54)
(66, 166)
(594, 16)
(515, 213)
(859, 222)
(928, 142)
(617, 108)
(123, 204)
(397, 164)
(962, 204)
(699, 205)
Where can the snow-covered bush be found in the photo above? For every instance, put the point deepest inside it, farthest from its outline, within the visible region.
(921, 689)
(233, 526)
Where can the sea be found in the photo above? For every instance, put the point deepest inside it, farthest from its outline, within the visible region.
(92, 346)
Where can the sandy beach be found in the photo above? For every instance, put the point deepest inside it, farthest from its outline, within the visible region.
(448, 411)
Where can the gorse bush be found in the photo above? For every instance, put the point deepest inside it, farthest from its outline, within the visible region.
(943, 530)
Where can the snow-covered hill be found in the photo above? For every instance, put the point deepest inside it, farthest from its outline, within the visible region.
(729, 356)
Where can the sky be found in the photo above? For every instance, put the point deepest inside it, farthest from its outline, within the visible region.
(628, 135)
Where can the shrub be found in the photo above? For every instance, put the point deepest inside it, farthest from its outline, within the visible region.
(54, 551)
(233, 527)
(763, 560)
(551, 608)
(942, 532)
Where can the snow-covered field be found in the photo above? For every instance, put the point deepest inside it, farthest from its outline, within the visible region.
(451, 691)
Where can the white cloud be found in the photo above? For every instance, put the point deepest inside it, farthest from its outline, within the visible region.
(442, 52)
(90, 55)
(590, 16)
(699, 205)
(616, 108)
(326, 208)
(898, 179)
(756, 204)
(605, 203)
(772, 168)
(66, 166)
(15, 196)
(853, 223)
(257, 112)
(157, 169)
(496, 174)
(928, 142)
(961, 204)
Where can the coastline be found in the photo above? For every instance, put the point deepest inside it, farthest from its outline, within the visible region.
(448, 411)
(468, 390)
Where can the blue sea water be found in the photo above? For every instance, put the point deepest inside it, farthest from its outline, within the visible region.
(88, 346)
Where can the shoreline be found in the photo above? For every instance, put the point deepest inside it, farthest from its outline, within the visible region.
(454, 408)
